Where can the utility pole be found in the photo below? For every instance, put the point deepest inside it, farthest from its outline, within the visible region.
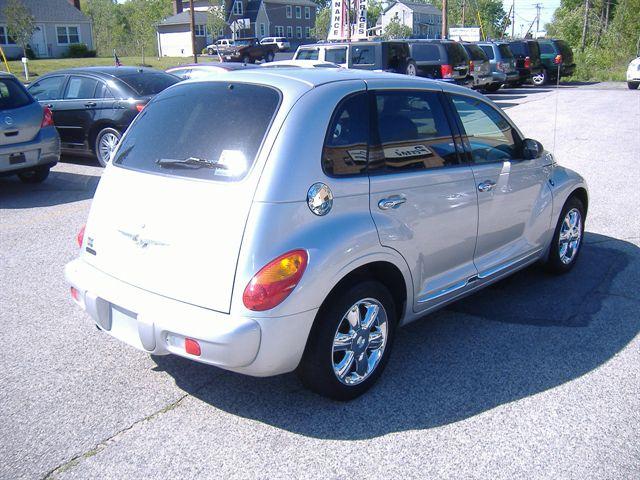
(538, 8)
(463, 5)
(585, 26)
(444, 19)
(606, 18)
(513, 19)
(192, 23)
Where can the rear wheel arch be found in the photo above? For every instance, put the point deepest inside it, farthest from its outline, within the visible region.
(96, 128)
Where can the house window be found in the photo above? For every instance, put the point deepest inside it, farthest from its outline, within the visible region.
(288, 10)
(201, 30)
(307, 32)
(279, 31)
(307, 13)
(262, 30)
(298, 11)
(237, 8)
(289, 31)
(5, 38)
(68, 35)
(299, 32)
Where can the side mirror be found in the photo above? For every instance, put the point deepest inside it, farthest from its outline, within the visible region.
(531, 149)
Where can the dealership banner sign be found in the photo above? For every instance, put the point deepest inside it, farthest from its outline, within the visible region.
(348, 20)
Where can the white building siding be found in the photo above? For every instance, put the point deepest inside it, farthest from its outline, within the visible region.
(174, 41)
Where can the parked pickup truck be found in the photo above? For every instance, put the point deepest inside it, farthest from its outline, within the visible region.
(247, 50)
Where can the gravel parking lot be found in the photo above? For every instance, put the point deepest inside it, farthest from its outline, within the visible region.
(535, 377)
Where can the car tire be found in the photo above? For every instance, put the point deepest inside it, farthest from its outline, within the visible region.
(633, 85)
(104, 144)
(345, 368)
(37, 175)
(492, 88)
(246, 59)
(269, 57)
(540, 79)
(563, 252)
(210, 51)
(411, 69)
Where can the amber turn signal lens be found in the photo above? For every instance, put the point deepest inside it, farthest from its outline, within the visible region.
(275, 281)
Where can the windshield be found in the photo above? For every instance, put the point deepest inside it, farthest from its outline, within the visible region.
(307, 54)
(148, 83)
(12, 94)
(210, 131)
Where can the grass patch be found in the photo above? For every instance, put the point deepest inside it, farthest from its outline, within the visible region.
(40, 67)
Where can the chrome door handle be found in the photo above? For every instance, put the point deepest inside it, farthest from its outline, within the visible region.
(486, 186)
(392, 202)
(90, 104)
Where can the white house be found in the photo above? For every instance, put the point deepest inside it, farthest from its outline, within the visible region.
(59, 23)
(424, 20)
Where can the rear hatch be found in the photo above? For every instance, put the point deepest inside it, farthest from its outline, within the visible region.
(481, 66)
(169, 214)
(428, 58)
(508, 60)
(20, 114)
(458, 59)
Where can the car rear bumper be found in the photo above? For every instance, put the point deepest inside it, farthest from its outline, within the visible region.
(159, 325)
(480, 81)
(43, 150)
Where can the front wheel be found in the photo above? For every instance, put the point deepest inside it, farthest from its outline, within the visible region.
(106, 142)
(567, 238)
(492, 87)
(210, 51)
(269, 57)
(37, 175)
(411, 69)
(540, 79)
(350, 342)
(633, 85)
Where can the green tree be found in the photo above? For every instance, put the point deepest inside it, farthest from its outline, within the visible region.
(321, 28)
(142, 16)
(20, 23)
(396, 29)
(216, 21)
(108, 25)
(374, 11)
(492, 15)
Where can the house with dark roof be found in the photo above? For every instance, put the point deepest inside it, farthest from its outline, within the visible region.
(59, 23)
(293, 19)
(424, 19)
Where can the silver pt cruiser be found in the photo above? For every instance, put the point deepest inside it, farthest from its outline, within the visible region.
(281, 220)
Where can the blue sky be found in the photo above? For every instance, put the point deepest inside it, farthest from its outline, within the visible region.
(526, 12)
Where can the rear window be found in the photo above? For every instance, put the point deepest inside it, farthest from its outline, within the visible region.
(547, 47)
(488, 51)
(307, 54)
(148, 83)
(12, 94)
(210, 131)
(475, 52)
(518, 48)
(505, 51)
(336, 55)
(425, 52)
(534, 50)
(456, 53)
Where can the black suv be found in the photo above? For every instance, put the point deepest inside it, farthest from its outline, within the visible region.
(528, 62)
(93, 106)
(444, 60)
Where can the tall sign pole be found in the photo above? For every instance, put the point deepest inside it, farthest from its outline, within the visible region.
(444, 19)
(192, 23)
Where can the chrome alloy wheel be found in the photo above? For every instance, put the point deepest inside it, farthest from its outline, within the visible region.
(359, 342)
(108, 143)
(570, 236)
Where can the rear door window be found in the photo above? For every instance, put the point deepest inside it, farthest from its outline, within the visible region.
(505, 51)
(12, 94)
(488, 51)
(345, 147)
(209, 131)
(411, 133)
(457, 54)
(147, 83)
(363, 55)
(80, 88)
(425, 52)
(307, 54)
(336, 55)
(48, 88)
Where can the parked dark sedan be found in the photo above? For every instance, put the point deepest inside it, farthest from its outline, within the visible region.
(93, 106)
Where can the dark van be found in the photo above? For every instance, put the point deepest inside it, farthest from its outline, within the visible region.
(444, 60)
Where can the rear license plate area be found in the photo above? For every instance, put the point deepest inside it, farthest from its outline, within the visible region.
(124, 326)
(17, 158)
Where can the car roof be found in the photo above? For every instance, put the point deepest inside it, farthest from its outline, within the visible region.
(223, 65)
(106, 71)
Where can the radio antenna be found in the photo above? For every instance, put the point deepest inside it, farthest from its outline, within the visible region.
(555, 119)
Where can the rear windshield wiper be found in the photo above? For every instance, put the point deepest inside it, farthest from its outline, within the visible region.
(191, 162)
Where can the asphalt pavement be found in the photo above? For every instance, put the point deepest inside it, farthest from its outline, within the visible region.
(537, 376)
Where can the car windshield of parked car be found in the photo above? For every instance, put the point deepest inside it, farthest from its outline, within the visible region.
(425, 52)
(148, 83)
(177, 133)
(307, 54)
(505, 51)
(547, 47)
(12, 95)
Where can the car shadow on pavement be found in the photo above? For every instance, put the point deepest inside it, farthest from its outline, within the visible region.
(520, 337)
(59, 188)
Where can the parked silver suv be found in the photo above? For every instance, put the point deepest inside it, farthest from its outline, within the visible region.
(328, 208)
(29, 143)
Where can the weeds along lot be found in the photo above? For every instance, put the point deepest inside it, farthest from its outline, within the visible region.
(41, 66)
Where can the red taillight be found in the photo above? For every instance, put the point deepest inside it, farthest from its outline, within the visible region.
(471, 66)
(139, 107)
(275, 281)
(75, 294)
(192, 347)
(47, 118)
(527, 62)
(558, 59)
(80, 236)
(446, 71)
